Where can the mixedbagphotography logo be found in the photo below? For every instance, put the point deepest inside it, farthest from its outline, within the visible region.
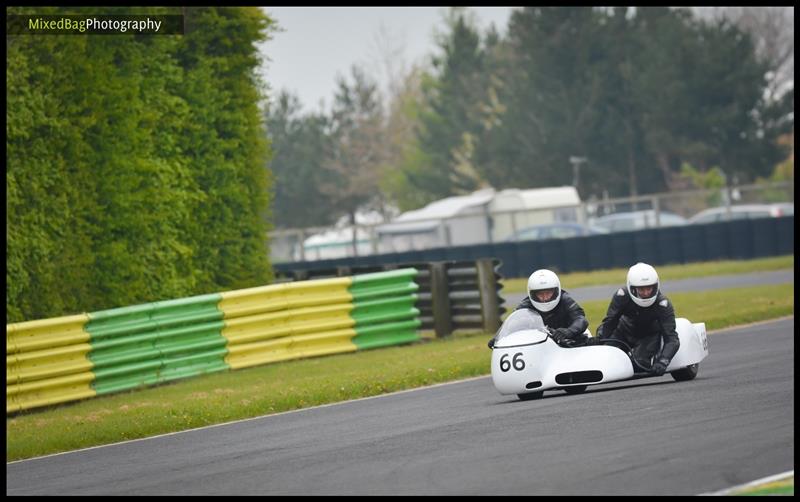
(94, 25)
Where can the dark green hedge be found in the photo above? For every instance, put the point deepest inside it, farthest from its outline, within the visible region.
(135, 163)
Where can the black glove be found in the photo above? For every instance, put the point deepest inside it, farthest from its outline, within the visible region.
(591, 341)
(659, 367)
(491, 343)
(599, 333)
(559, 335)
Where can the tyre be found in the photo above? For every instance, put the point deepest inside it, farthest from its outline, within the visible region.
(687, 373)
(530, 395)
(575, 389)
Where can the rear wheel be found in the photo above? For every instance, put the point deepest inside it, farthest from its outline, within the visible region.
(575, 389)
(530, 395)
(687, 373)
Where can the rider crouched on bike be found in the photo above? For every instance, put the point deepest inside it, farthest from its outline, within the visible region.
(563, 316)
(641, 316)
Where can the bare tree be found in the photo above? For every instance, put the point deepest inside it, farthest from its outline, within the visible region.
(387, 61)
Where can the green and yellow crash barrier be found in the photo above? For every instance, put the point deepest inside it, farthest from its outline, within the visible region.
(46, 362)
(69, 358)
(156, 342)
(286, 296)
(384, 309)
(244, 355)
(319, 317)
(46, 333)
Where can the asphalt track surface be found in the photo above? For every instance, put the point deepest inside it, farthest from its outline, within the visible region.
(733, 424)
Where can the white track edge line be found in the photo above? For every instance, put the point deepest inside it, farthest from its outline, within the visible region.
(768, 479)
(254, 418)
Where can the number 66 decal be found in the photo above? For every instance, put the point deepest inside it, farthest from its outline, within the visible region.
(517, 361)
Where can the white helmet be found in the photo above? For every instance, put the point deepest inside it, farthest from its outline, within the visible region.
(641, 275)
(544, 279)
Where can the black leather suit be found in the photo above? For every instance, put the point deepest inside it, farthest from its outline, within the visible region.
(642, 328)
(567, 314)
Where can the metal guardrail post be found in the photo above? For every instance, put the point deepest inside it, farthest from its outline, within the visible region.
(657, 210)
(514, 226)
(489, 224)
(728, 214)
(487, 285)
(373, 238)
(301, 243)
(440, 298)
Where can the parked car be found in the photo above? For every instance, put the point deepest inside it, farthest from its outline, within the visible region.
(743, 212)
(636, 220)
(555, 231)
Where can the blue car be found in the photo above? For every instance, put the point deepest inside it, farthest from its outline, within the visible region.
(637, 220)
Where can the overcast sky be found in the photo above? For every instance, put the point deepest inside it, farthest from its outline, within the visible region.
(319, 43)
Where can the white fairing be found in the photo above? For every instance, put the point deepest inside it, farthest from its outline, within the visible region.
(694, 344)
(524, 354)
(543, 361)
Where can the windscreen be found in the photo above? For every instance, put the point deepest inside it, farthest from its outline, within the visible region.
(518, 321)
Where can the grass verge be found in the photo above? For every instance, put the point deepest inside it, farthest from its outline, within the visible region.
(665, 272)
(291, 385)
(781, 487)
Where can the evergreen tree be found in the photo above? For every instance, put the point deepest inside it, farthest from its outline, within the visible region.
(552, 94)
(636, 92)
(300, 146)
(451, 121)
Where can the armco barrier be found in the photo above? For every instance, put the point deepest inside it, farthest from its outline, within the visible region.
(327, 316)
(452, 294)
(156, 342)
(69, 358)
(46, 362)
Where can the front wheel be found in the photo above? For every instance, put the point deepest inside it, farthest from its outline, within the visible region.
(687, 373)
(575, 389)
(530, 395)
